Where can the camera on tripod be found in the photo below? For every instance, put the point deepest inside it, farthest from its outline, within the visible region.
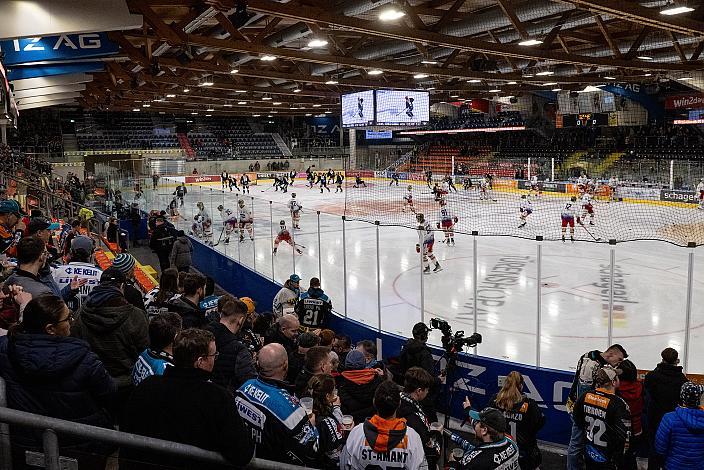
(454, 343)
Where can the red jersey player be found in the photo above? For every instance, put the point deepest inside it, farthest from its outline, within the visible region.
(447, 222)
(284, 236)
(408, 200)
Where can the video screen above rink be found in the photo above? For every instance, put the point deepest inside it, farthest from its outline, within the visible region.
(402, 108)
(358, 109)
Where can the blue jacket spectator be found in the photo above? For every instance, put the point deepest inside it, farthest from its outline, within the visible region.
(154, 360)
(680, 437)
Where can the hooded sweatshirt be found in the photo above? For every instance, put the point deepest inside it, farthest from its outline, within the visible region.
(632, 393)
(383, 443)
(116, 330)
(680, 439)
(356, 389)
(181, 252)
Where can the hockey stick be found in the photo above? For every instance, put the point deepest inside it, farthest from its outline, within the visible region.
(596, 239)
(220, 237)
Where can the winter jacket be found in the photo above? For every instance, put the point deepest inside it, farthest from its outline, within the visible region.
(632, 393)
(274, 335)
(116, 331)
(234, 365)
(296, 361)
(134, 295)
(286, 297)
(680, 439)
(162, 239)
(415, 417)
(181, 252)
(301, 382)
(184, 406)
(38, 285)
(416, 353)
(313, 308)
(55, 376)
(583, 380)
(191, 315)
(356, 390)
(662, 392)
(378, 442)
(524, 420)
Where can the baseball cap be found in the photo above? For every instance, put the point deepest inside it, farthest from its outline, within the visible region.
(490, 417)
(82, 242)
(420, 329)
(112, 275)
(294, 278)
(691, 394)
(124, 262)
(249, 303)
(41, 223)
(10, 206)
(355, 360)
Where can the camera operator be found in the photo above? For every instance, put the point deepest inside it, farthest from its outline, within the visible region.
(416, 353)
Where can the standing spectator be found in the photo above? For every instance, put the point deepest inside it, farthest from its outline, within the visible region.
(162, 241)
(328, 420)
(583, 381)
(317, 361)
(383, 437)
(297, 359)
(662, 394)
(43, 228)
(356, 386)
(605, 421)
(631, 390)
(417, 383)
(73, 232)
(495, 450)
(154, 360)
(181, 252)
(314, 306)
(680, 437)
(284, 332)
(126, 263)
(342, 346)
(416, 353)
(287, 295)
(183, 405)
(11, 225)
(157, 299)
(234, 365)
(116, 330)
(282, 429)
(49, 373)
(523, 419)
(187, 305)
(81, 267)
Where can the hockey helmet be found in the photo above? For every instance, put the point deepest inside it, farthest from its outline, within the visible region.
(293, 195)
(200, 206)
(410, 188)
(523, 196)
(573, 199)
(282, 223)
(420, 217)
(241, 202)
(220, 207)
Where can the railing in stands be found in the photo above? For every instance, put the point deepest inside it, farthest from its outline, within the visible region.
(51, 427)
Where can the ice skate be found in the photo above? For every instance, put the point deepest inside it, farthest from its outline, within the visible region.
(227, 241)
(438, 268)
(426, 270)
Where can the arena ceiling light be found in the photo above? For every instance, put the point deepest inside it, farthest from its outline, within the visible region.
(256, 115)
(315, 43)
(332, 82)
(297, 90)
(317, 105)
(391, 14)
(240, 91)
(544, 73)
(186, 90)
(267, 58)
(233, 71)
(430, 88)
(495, 90)
(549, 84)
(609, 78)
(454, 96)
(530, 42)
(308, 114)
(673, 9)
(328, 112)
(194, 113)
(556, 89)
(171, 95)
(210, 109)
(207, 81)
(420, 76)
(429, 62)
(135, 110)
(474, 80)
(241, 102)
(648, 75)
(208, 115)
(644, 57)
(685, 79)
(266, 98)
(276, 103)
(146, 105)
(228, 105)
(375, 72)
(512, 83)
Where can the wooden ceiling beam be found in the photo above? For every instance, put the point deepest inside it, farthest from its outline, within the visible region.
(511, 14)
(448, 15)
(174, 37)
(229, 27)
(637, 43)
(268, 29)
(678, 47)
(609, 40)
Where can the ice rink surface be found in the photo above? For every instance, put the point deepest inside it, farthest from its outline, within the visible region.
(650, 288)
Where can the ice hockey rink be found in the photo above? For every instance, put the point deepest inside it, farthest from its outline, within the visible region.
(650, 277)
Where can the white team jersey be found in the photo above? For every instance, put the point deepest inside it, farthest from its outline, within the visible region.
(227, 214)
(445, 213)
(526, 205)
(534, 179)
(205, 217)
(245, 214)
(483, 183)
(586, 200)
(446, 186)
(425, 233)
(569, 210)
(700, 186)
(294, 206)
(613, 182)
(408, 197)
(359, 454)
(582, 180)
(64, 274)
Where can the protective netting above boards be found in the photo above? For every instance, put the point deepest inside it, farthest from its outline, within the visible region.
(583, 209)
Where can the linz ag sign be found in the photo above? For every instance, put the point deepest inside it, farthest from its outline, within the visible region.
(64, 46)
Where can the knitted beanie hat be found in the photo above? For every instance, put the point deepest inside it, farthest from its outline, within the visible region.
(124, 262)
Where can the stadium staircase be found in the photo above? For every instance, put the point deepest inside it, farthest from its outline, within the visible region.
(186, 145)
(606, 164)
(282, 145)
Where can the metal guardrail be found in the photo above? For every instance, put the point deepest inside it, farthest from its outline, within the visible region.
(53, 426)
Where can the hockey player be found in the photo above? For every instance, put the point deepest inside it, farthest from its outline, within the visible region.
(284, 236)
(338, 182)
(587, 208)
(485, 189)
(295, 207)
(310, 176)
(447, 222)
(173, 209)
(244, 182)
(409, 106)
(408, 200)
(526, 209)
(426, 240)
(394, 178)
(534, 186)
(292, 177)
(568, 215)
(223, 179)
(613, 187)
(180, 193)
(700, 190)
(582, 183)
(232, 181)
(451, 184)
(229, 221)
(244, 220)
(324, 183)
(429, 178)
(358, 181)
(202, 224)
(468, 183)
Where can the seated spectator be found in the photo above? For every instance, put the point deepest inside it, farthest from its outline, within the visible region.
(49, 373)
(662, 394)
(116, 330)
(314, 307)
(317, 361)
(287, 296)
(126, 263)
(494, 450)
(187, 305)
(680, 437)
(356, 386)
(184, 406)
(342, 346)
(327, 338)
(163, 328)
(156, 301)
(384, 437)
(282, 429)
(523, 417)
(417, 383)
(631, 390)
(297, 359)
(235, 365)
(328, 420)
(284, 332)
